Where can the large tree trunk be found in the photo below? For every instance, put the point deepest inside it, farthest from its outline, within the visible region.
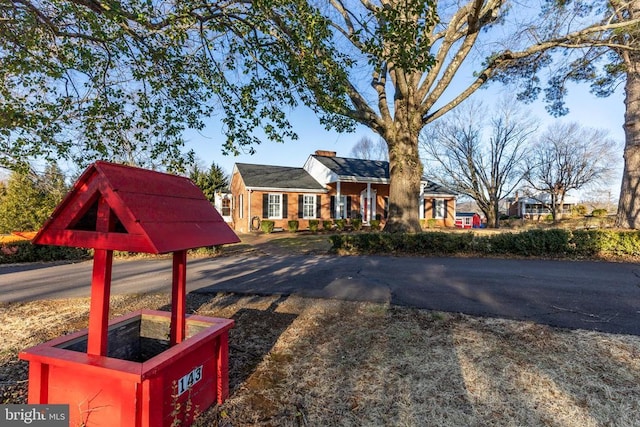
(405, 174)
(629, 205)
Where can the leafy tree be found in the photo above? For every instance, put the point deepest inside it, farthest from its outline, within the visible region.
(568, 157)
(210, 181)
(387, 65)
(478, 156)
(122, 80)
(367, 149)
(29, 199)
(75, 73)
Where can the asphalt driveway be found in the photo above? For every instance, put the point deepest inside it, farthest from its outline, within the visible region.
(598, 296)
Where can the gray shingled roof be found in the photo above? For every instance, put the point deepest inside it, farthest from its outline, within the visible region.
(433, 188)
(343, 166)
(264, 176)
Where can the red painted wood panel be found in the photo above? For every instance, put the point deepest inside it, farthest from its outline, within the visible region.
(150, 208)
(124, 393)
(192, 235)
(87, 239)
(144, 181)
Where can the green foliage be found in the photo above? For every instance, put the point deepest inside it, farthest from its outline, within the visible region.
(104, 72)
(211, 181)
(356, 223)
(313, 225)
(24, 251)
(375, 224)
(579, 210)
(327, 224)
(29, 199)
(431, 223)
(556, 243)
(340, 224)
(599, 213)
(293, 225)
(207, 251)
(267, 226)
(428, 243)
(122, 81)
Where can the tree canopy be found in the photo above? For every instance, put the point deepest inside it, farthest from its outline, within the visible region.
(82, 78)
(122, 81)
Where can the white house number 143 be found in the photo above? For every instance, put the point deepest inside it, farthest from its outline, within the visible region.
(189, 380)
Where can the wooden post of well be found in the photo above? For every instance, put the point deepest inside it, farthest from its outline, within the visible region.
(178, 297)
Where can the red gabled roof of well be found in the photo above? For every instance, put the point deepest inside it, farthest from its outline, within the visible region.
(156, 213)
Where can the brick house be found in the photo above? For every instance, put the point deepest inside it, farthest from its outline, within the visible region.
(326, 187)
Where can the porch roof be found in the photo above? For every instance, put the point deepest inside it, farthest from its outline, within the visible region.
(432, 189)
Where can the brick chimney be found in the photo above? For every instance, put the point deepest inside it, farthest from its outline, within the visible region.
(325, 153)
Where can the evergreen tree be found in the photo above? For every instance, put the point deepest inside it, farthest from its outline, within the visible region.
(29, 199)
(210, 181)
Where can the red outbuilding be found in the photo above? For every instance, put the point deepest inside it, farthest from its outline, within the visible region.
(147, 368)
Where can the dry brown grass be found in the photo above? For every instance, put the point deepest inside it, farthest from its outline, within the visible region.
(297, 362)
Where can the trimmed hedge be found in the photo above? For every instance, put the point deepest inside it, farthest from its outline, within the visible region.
(293, 225)
(267, 226)
(24, 251)
(556, 243)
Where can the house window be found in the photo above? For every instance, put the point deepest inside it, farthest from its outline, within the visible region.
(438, 208)
(226, 206)
(340, 207)
(275, 206)
(241, 206)
(309, 206)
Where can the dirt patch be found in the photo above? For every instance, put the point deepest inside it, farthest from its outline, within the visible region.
(299, 362)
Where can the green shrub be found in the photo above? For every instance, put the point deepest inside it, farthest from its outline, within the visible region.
(313, 225)
(207, 251)
(431, 223)
(599, 213)
(340, 224)
(579, 210)
(327, 224)
(375, 224)
(356, 223)
(539, 243)
(26, 252)
(267, 226)
(293, 225)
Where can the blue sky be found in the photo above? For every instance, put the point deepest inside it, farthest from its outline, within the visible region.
(585, 108)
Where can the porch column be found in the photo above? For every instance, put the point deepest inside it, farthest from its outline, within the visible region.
(337, 207)
(421, 202)
(249, 212)
(369, 203)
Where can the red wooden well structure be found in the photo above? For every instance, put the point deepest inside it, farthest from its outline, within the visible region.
(147, 368)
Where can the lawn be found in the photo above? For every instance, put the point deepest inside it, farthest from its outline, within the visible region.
(307, 362)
